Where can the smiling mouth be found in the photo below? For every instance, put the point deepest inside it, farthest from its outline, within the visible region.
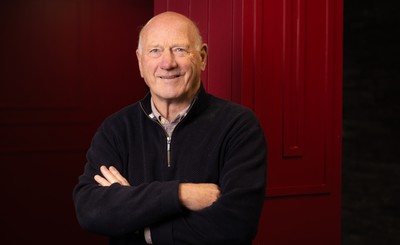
(169, 77)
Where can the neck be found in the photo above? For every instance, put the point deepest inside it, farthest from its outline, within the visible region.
(170, 109)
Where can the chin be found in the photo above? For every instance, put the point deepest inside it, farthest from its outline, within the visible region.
(168, 96)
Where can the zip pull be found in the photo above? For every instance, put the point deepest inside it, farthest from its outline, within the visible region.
(169, 151)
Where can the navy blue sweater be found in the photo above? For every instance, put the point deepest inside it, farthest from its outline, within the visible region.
(217, 142)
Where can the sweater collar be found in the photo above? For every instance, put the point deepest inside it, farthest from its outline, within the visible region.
(199, 104)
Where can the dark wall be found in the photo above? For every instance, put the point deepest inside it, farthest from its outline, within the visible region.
(64, 66)
(371, 167)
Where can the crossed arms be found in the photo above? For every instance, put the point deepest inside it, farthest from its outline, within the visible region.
(194, 197)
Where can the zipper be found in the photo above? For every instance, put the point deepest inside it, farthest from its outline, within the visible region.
(169, 138)
(168, 151)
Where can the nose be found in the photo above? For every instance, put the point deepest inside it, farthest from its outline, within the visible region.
(168, 61)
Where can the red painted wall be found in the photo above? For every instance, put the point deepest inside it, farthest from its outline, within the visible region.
(65, 65)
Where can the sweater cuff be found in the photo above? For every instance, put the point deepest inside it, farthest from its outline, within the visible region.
(169, 198)
(162, 233)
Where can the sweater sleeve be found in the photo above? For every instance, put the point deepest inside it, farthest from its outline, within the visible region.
(119, 210)
(233, 218)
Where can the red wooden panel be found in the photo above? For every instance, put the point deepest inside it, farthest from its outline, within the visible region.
(160, 6)
(237, 50)
(292, 94)
(179, 6)
(220, 54)
(293, 81)
(299, 52)
(300, 220)
(252, 43)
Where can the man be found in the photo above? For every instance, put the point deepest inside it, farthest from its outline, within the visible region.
(180, 166)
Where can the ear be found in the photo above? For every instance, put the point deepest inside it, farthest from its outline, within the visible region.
(203, 56)
(139, 59)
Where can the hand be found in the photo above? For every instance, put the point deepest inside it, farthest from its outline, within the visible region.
(196, 197)
(111, 176)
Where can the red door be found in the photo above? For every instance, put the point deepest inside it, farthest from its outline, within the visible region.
(65, 65)
(282, 58)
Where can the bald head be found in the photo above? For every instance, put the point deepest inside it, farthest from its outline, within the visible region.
(171, 20)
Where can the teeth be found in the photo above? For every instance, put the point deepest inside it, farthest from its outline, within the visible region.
(169, 77)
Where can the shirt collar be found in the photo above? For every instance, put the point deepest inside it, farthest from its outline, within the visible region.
(156, 115)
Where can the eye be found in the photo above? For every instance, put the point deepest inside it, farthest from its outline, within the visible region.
(180, 51)
(155, 52)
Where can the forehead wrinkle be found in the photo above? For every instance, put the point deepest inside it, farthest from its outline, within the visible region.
(154, 41)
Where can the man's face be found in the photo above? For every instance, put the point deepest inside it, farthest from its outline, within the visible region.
(169, 61)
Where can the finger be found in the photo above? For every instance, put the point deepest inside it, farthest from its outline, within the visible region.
(121, 179)
(101, 181)
(108, 175)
